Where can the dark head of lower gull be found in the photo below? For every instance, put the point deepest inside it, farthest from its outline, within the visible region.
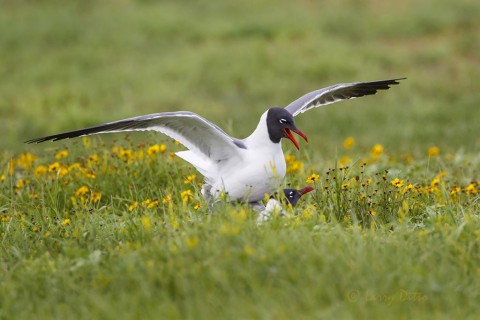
(293, 195)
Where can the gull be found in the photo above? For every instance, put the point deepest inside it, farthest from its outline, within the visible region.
(274, 206)
(244, 169)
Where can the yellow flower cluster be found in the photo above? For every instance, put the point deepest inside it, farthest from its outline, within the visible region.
(153, 150)
(148, 203)
(293, 165)
(83, 196)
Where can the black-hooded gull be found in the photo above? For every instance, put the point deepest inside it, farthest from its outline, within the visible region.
(245, 169)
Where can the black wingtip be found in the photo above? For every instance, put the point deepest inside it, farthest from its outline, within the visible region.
(395, 81)
(47, 138)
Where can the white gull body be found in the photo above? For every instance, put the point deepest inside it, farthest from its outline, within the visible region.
(255, 170)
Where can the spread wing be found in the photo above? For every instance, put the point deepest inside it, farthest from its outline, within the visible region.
(194, 132)
(338, 92)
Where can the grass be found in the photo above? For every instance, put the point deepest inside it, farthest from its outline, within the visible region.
(114, 227)
(104, 233)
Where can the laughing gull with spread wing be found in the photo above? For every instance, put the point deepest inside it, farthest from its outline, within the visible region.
(245, 169)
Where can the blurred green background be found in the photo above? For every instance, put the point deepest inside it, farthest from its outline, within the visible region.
(69, 64)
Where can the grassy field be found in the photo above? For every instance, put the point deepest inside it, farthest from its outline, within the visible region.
(114, 226)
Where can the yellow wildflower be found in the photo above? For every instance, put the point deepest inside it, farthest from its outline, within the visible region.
(47, 234)
(2, 177)
(408, 188)
(435, 182)
(152, 150)
(75, 166)
(471, 188)
(367, 182)
(455, 190)
(289, 158)
(293, 165)
(40, 170)
(21, 183)
(92, 159)
(348, 142)
(397, 183)
(81, 191)
(187, 196)
(196, 206)
(433, 151)
(125, 154)
(26, 160)
(90, 175)
(5, 218)
(96, 196)
(133, 206)
(189, 179)
(150, 203)
(314, 177)
(376, 151)
(61, 154)
(57, 169)
(167, 198)
(65, 222)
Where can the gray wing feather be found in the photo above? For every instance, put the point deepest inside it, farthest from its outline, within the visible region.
(188, 128)
(338, 92)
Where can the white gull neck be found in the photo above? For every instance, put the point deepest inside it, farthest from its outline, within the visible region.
(260, 137)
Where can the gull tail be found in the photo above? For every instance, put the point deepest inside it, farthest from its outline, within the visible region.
(200, 163)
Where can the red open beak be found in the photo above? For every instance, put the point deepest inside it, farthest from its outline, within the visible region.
(288, 133)
(305, 190)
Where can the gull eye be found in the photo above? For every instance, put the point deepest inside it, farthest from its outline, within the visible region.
(283, 120)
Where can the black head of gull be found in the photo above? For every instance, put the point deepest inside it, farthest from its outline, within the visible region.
(280, 124)
(293, 195)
